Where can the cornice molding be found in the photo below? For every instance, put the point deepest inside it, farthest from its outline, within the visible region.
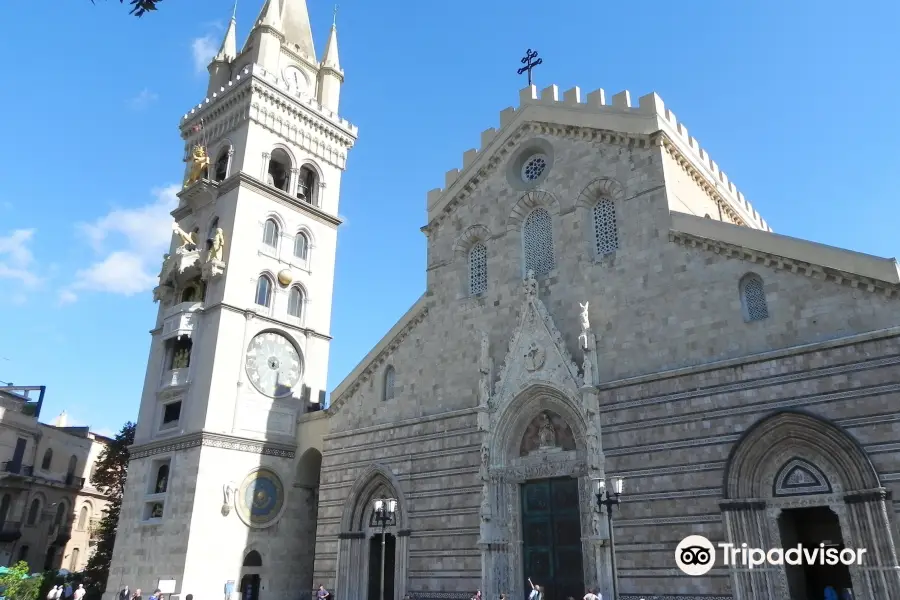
(242, 179)
(774, 261)
(213, 440)
(378, 360)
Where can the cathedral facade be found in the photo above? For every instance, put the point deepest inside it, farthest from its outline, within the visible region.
(601, 303)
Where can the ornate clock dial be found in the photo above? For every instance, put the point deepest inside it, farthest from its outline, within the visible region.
(273, 364)
(294, 79)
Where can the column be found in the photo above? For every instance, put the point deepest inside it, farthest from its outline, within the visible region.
(264, 170)
(746, 522)
(869, 526)
(401, 564)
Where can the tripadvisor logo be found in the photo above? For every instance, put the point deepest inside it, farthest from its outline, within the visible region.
(695, 555)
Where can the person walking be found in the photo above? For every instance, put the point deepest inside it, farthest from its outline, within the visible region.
(80, 592)
(592, 594)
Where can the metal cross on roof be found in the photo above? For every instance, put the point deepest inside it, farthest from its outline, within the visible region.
(529, 65)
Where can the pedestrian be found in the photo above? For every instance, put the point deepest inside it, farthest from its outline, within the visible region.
(322, 593)
(477, 595)
(80, 592)
(67, 591)
(125, 594)
(537, 592)
(53, 594)
(137, 594)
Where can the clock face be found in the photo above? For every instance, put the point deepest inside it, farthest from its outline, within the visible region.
(295, 79)
(273, 364)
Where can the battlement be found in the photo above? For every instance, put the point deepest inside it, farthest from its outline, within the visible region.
(255, 70)
(618, 114)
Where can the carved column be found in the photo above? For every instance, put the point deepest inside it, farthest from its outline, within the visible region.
(748, 522)
(869, 526)
(401, 565)
(294, 182)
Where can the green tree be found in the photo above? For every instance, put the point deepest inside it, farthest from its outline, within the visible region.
(139, 7)
(17, 585)
(109, 478)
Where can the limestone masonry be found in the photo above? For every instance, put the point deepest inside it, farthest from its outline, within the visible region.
(601, 302)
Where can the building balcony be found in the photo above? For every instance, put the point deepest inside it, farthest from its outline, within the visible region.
(17, 468)
(174, 378)
(10, 531)
(180, 320)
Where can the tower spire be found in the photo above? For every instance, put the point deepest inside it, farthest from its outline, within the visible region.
(228, 50)
(330, 58)
(296, 27)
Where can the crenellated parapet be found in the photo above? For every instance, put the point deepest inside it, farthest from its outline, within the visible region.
(593, 116)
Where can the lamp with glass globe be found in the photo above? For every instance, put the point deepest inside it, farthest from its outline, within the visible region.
(609, 498)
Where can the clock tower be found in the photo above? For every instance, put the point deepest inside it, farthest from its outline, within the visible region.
(222, 484)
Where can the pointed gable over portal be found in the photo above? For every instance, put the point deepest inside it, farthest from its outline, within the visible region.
(537, 353)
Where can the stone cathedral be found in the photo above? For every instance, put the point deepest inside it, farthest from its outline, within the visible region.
(601, 303)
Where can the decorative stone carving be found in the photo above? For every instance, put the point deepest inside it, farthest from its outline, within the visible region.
(585, 317)
(188, 240)
(799, 478)
(217, 250)
(544, 469)
(530, 284)
(163, 293)
(546, 435)
(534, 357)
(228, 498)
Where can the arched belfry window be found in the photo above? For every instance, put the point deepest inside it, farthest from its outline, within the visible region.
(388, 393)
(73, 464)
(606, 232)
(279, 172)
(34, 511)
(537, 240)
(295, 302)
(308, 185)
(753, 298)
(264, 288)
(271, 231)
(301, 245)
(82, 518)
(221, 166)
(477, 269)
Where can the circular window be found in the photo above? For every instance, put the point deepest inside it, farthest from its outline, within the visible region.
(534, 167)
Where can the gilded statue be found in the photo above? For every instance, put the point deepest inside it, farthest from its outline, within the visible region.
(188, 240)
(199, 166)
(217, 250)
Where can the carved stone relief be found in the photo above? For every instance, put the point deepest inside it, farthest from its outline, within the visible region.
(546, 425)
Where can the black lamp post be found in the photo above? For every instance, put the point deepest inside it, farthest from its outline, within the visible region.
(385, 509)
(609, 498)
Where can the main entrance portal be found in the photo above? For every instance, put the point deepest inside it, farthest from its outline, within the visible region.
(813, 528)
(551, 528)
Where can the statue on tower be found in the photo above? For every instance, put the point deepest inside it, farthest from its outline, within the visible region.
(199, 166)
(188, 240)
(217, 250)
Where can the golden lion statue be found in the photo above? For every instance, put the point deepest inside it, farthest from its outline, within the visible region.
(199, 165)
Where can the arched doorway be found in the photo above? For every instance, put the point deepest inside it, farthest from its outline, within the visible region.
(797, 478)
(306, 490)
(537, 499)
(362, 540)
(251, 578)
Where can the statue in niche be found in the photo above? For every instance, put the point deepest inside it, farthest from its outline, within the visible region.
(199, 165)
(534, 357)
(546, 434)
(485, 504)
(217, 250)
(181, 359)
(188, 240)
(585, 318)
(485, 462)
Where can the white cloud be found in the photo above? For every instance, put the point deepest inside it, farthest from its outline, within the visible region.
(204, 50)
(131, 242)
(143, 100)
(16, 259)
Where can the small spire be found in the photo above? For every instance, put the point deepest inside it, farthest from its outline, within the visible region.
(334, 17)
(270, 15)
(330, 59)
(228, 50)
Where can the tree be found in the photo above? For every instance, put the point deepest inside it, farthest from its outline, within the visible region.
(109, 478)
(17, 585)
(139, 7)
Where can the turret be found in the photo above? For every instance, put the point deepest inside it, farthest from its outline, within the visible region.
(330, 74)
(220, 67)
(266, 37)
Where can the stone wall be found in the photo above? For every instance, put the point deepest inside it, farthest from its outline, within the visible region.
(669, 435)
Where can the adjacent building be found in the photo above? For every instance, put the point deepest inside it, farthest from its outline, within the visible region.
(48, 508)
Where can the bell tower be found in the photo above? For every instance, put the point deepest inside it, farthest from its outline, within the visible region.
(221, 492)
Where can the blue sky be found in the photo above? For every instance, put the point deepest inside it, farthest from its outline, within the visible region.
(794, 100)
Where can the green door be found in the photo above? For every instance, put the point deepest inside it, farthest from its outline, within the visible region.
(551, 532)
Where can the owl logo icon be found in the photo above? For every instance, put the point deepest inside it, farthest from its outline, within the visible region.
(695, 555)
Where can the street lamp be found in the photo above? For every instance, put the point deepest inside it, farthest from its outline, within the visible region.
(608, 499)
(385, 510)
